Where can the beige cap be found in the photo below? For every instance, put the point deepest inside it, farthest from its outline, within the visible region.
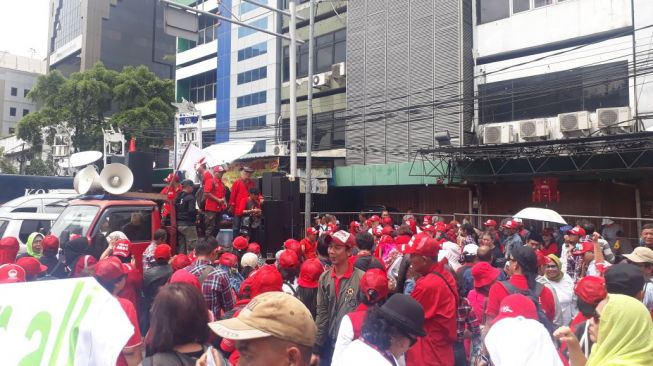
(271, 314)
(249, 260)
(641, 255)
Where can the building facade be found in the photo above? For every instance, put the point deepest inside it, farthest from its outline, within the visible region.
(115, 32)
(18, 75)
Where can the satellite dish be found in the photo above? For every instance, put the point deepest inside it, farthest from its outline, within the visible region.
(84, 158)
(116, 178)
(226, 152)
(87, 180)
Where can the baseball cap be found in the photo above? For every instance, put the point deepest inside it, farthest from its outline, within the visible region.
(484, 274)
(32, 266)
(272, 314)
(387, 230)
(584, 247)
(470, 249)
(249, 260)
(183, 276)
(240, 243)
(343, 238)
(219, 169)
(511, 224)
(12, 273)
(295, 246)
(386, 220)
(441, 226)
(309, 273)
(288, 259)
(375, 218)
(9, 248)
(311, 231)
(591, 289)
(377, 231)
(108, 270)
(200, 162)
(122, 248)
(640, 255)
(374, 285)
(624, 279)
(50, 242)
(429, 228)
(254, 248)
(516, 305)
(424, 245)
(490, 222)
(267, 279)
(526, 257)
(187, 183)
(577, 230)
(228, 259)
(427, 220)
(162, 251)
(179, 261)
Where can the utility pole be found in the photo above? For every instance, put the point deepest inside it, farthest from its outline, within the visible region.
(309, 120)
(292, 6)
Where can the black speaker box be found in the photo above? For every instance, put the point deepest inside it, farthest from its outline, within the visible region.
(276, 226)
(266, 184)
(140, 164)
(285, 190)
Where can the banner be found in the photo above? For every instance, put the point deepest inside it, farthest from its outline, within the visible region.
(318, 186)
(193, 155)
(260, 166)
(61, 322)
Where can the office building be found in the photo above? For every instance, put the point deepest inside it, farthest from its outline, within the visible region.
(18, 75)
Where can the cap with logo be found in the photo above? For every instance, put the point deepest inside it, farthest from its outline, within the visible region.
(591, 289)
(582, 248)
(511, 224)
(343, 238)
(374, 285)
(309, 273)
(577, 230)
(122, 248)
(424, 245)
(427, 220)
(12, 273)
(489, 223)
(516, 305)
(272, 314)
(219, 169)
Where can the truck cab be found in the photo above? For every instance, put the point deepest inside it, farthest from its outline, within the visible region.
(97, 216)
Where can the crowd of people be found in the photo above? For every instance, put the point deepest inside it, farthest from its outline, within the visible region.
(375, 292)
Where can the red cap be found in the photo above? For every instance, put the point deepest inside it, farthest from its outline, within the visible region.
(377, 231)
(108, 270)
(163, 251)
(354, 226)
(309, 273)
(429, 228)
(50, 242)
(484, 274)
(387, 230)
(9, 248)
(12, 273)
(578, 231)
(428, 220)
(240, 243)
(511, 224)
(374, 285)
(375, 218)
(413, 225)
(343, 238)
(192, 256)
(170, 178)
(422, 244)
(229, 259)
(591, 289)
(541, 258)
(584, 247)
(331, 228)
(32, 266)
(386, 221)
(441, 226)
(122, 248)
(516, 305)
(288, 259)
(219, 169)
(254, 248)
(311, 231)
(179, 261)
(183, 276)
(295, 246)
(266, 279)
(490, 222)
(85, 262)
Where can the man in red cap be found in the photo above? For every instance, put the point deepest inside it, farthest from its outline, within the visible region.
(56, 268)
(374, 291)
(289, 268)
(9, 248)
(309, 243)
(239, 195)
(11, 273)
(170, 191)
(572, 240)
(155, 277)
(214, 192)
(436, 291)
(337, 294)
(33, 268)
(132, 288)
(110, 274)
(512, 240)
(228, 262)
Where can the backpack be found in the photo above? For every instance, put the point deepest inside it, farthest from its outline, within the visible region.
(535, 297)
(205, 273)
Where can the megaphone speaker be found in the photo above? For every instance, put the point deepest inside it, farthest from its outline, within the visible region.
(87, 180)
(140, 164)
(116, 178)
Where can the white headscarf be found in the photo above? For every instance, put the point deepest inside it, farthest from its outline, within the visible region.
(117, 235)
(521, 341)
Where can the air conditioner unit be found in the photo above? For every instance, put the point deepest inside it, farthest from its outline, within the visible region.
(338, 70)
(498, 134)
(321, 80)
(576, 121)
(613, 118)
(60, 150)
(533, 129)
(280, 150)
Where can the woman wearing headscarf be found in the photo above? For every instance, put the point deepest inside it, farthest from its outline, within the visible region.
(34, 247)
(563, 287)
(623, 332)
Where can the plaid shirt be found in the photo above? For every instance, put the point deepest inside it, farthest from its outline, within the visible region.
(466, 319)
(217, 292)
(148, 257)
(196, 267)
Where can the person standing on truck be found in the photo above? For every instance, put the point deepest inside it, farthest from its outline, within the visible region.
(239, 195)
(186, 210)
(210, 204)
(220, 191)
(171, 191)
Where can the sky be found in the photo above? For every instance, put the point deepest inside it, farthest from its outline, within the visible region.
(24, 25)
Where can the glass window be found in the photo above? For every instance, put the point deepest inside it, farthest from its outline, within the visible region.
(75, 220)
(247, 7)
(539, 3)
(202, 87)
(3, 227)
(251, 99)
(54, 205)
(252, 75)
(260, 23)
(253, 123)
(12, 130)
(520, 5)
(330, 49)
(25, 112)
(25, 92)
(14, 92)
(12, 111)
(135, 223)
(259, 147)
(27, 227)
(491, 10)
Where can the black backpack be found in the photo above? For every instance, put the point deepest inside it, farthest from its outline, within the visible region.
(535, 297)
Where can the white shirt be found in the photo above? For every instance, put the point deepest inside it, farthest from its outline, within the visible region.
(359, 353)
(344, 339)
(290, 290)
(648, 294)
(564, 291)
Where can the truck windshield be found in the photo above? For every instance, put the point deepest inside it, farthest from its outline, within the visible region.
(75, 220)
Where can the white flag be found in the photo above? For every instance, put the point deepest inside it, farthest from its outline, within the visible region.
(193, 155)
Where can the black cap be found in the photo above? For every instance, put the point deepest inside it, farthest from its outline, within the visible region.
(625, 279)
(405, 313)
(187, 183)
(526, 257)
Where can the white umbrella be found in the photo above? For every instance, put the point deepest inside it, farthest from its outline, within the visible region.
(540, 214)
(226, 152)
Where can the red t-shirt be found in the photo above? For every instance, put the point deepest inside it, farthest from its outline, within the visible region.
(133, 285)
(498, 292)
(171, 193)
(135, 339)
(220, 192)
(552, 249)
(309, 248)
(239, 195)
(209, 187)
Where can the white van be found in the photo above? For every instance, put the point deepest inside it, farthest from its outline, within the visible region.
(21, 224)
(38, 203)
